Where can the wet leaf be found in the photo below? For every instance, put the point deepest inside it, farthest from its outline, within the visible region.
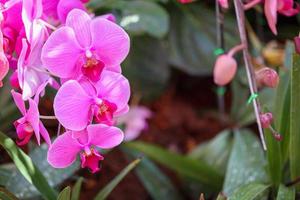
(249, 192)
(246, 163)
(65, 194)
(286, 193)
(76, 189)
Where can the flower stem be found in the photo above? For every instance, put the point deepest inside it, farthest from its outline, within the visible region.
(240, 16)
(220, 44)
(47, 117)
(251, 4)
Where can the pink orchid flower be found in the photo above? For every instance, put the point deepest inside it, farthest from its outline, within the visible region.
(30, 123)
(30, 71)
(284, 7)
(59, 9)
(4, 65)
(77, 103)
(66, 147)
(35, 29)
(135, 121)
(85, 47)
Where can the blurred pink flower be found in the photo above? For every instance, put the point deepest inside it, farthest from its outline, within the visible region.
(84, 47)
(135, 121)
(185, 1)
(30, 123)
(4, 65)
(284, 7)
(77, 103)
(66, 147)
(267, 77)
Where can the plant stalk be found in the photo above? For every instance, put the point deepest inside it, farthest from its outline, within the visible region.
(240, 16)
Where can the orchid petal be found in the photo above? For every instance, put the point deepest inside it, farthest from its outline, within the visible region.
(61, 52)
(65, 6)
(110, 41)
(80, 21)
(72, 106)
(104, 136)
(33, 117)
(271, 14)
(44, 133)
(62, 153)
(19, 102)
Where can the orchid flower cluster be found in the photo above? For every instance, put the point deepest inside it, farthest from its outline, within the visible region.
(59, 44)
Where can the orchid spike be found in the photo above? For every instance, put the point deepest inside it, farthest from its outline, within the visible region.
(66, 147)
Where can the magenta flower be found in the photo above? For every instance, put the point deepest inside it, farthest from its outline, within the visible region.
(85, 46)
(284, 7)
(135, 121)
(78, 103)
(4, 65)
(30, 123)
(35, 29)
(66, 147)
(59, 9)
(30, 71)
(224, 3)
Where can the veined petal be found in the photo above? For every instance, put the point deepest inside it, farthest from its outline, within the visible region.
(33, 117)
(65, 6)
(110, 41)
(19, 102)
(114, 88)
(61, 52)
(271, 14)
(62, 153)
(44, 133)
(104, 136)
(80, 22)
(72, 106)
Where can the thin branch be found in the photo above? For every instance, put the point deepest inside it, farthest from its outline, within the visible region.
(221, 44)
(240, 16)
(47, 117)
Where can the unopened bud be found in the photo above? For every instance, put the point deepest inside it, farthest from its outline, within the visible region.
(277, 136)
(224, 70)
(14, 81)
(297, 44)
(266, 119)
(267, 77)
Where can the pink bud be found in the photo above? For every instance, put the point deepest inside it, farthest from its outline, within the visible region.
(224, 70)
(266, 119)
(277, 136)
(267, 77)
(14, 82)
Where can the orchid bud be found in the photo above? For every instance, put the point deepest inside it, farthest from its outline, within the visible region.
(225, 69)
(266, 119)
(277, 136)
(297, 44)
(14, 81)
(267, 77)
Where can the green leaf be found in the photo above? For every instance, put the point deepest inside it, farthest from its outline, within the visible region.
(7, 195)
(140, 17)
(294, 119)
(215, 152)
(249, 192)
(154, 180)
(183, 165)
(246, 163)
(192, 38)
(76, 189)
(286, 193)
(274, 158)
(65, 194)
(103, 194)
(27, 168)
(147, 59)
(23, 189)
